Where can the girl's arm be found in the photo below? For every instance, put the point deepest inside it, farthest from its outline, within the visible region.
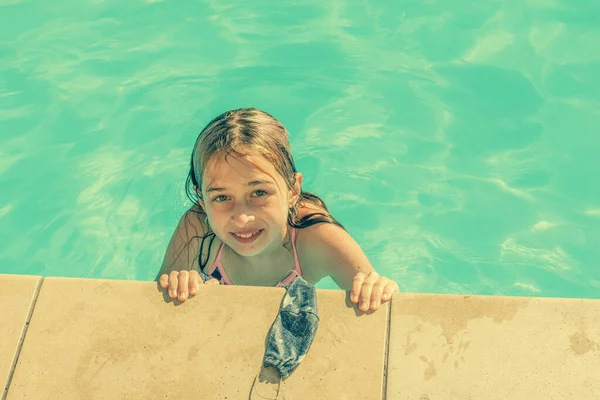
(335, 253)
(184, 247)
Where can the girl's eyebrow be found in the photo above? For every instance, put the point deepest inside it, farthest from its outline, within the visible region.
(253, 183)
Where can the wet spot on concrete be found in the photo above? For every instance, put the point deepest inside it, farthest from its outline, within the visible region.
(581, 344)
(410, 347)
(193, 352)
(453, 313)
(430, 371)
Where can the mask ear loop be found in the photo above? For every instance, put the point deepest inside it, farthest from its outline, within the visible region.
(254, 394)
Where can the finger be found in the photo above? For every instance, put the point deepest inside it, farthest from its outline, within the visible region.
(359, 278)
(390, 289)
(378, 293)
(164, 281)
(173, 279)
(184, 278)
(212, 281)
(195, 280)
(367, 289)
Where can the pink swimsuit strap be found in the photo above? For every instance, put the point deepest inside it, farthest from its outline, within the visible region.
(226, 281)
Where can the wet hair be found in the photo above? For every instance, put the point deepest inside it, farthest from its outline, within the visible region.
(250, 132)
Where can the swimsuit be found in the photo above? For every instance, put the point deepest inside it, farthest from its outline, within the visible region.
(217, 271)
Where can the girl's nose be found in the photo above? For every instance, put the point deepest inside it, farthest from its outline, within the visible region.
(242, 219)
(242, 216)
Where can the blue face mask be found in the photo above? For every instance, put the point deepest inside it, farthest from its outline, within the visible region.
(294, 329)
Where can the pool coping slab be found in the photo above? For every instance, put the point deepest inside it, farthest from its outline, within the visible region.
(96, 339)
(17, 299)
(493, 347)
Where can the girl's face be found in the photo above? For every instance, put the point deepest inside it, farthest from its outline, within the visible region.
(247, 202)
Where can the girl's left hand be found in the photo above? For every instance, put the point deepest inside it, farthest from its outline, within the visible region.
(371, 290)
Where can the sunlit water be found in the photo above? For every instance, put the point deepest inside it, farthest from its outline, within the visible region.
(457, 141)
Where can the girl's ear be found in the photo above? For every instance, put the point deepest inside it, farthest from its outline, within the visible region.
(295, 194)
(200, 199)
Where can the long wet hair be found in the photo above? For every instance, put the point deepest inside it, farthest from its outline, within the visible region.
(245, 132)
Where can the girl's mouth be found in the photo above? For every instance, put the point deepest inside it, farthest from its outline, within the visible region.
(248, 237)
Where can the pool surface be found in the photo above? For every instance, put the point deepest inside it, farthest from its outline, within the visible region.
(458, 142)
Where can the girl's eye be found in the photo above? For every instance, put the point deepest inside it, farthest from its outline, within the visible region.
(220, 198)
(260, 192)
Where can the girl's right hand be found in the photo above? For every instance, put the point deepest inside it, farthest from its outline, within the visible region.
(183, 284)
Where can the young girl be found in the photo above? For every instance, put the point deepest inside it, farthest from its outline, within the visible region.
(251, 223)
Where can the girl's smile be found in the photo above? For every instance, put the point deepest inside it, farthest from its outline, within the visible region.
(249, 237)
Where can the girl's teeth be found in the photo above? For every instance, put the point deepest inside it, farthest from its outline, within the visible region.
(247, 235)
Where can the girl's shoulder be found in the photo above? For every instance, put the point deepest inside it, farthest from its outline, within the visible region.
(329, 250)
(208, 242)
(193, 221)
(311, 245)
(305, 236)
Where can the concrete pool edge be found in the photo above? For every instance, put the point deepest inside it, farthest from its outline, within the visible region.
(106, 337)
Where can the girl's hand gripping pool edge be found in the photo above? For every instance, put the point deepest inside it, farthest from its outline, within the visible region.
(369, 291)
(183, 284)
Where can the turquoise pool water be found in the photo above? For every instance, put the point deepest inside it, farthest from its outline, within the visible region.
(457, 141)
